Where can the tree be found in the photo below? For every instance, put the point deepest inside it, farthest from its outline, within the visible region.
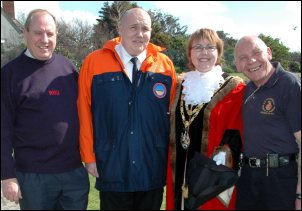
(177, 52)
(228, 54)
(228, 58)
(167, 32)
(164, 28)
(9, 54)
(294, 67)
(296, 57)
(74, 40)
(280, 52)
(228, 41)
(107, 26)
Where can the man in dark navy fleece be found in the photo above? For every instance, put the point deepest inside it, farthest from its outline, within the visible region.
(40, 159)
(271, 114)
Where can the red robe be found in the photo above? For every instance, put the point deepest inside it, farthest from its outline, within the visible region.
(223, 112)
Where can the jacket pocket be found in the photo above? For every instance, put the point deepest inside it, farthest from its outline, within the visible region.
(160, 157)
(107, 88)
(108, 164)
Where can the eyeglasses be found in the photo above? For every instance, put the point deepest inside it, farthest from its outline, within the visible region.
(200, 48)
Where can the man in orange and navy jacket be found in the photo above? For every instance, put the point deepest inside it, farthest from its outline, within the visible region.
(124, 121)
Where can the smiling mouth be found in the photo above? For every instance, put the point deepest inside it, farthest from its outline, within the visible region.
(254, 69)
(43, 47)
(204, 60)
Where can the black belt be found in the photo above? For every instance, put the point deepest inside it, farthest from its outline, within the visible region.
(274, 161)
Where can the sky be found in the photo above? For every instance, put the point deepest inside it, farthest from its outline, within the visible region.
(278, 19)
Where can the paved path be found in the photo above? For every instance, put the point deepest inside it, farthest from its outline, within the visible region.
(7, 205)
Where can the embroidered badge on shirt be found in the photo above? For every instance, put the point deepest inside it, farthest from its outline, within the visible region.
(159, 90)
(268, 106)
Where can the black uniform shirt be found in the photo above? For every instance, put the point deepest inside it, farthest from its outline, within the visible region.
(272, 114)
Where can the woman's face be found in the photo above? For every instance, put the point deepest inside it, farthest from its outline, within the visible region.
(204, 55)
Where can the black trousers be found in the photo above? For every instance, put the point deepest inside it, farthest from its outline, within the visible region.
(141, 200)
(277, 191)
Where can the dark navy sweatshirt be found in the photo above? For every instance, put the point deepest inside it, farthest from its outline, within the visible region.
(39, 121)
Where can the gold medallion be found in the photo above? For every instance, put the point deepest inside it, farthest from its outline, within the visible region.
(185, 140)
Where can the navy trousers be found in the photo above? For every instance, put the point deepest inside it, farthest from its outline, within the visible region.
(277, 191)
(140, 200)
(64, 191)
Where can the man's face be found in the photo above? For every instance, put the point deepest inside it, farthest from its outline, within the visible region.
(41, 36)
(135, 31)
(253, 59)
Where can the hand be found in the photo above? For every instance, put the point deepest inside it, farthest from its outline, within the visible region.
(11, 190)
(91, 168)
(298, 204)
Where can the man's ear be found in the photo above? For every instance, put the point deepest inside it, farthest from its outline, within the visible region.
(269, 54)
(25, 36)
(119, 29)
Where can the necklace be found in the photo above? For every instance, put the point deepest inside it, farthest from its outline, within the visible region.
(192, 113)
(252, 95)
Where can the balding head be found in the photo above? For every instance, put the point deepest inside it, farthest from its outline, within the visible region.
(252, 57)
(252, 40)
(138, 12)
(35, 13)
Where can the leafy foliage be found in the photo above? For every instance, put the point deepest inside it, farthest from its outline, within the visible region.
(294, 66)
(109, 16)
(11, 53)
(167, 32)
(74, 40)
(296, 58)
(280, 52)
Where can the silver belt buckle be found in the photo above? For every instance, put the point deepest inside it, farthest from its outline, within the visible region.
(254, 162)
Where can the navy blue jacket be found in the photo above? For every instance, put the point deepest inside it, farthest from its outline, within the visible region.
(130, 122)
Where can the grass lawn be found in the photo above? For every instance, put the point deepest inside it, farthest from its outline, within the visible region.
(94, 201)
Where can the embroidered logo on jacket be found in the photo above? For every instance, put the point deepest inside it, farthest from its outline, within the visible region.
(54, 92)
(159, 90)
(268, 106)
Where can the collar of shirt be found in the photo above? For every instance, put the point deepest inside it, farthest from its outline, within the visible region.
(125, 57)
(273, 78)
(27, 53)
